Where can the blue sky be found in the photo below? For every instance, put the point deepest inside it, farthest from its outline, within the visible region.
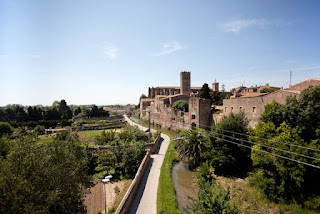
(108, 52)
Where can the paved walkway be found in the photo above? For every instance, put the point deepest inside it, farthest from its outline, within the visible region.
(146, 198)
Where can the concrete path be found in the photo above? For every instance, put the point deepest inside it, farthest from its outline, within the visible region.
(146, 198)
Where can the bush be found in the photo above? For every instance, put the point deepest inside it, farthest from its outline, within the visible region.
(116, 190)
(40, 130)
(267, 90)
(212, 198)
(5, 128)
(180, 105)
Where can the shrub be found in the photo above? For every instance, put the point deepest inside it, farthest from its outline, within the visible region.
(180, 105)
(5, 128)
(39, 130)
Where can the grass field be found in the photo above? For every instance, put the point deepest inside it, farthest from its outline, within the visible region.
(43, 139)
(89, 136)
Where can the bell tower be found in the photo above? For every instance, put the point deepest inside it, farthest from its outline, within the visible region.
(185, 85)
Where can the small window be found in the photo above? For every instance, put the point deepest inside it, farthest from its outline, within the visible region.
(254, 109)
(255, 90)
(240, 108)
(193, 116)
(231, 109)
(173, 119)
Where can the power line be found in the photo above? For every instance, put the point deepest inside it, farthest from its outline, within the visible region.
(280, 156)
(261, 138)
(301, 155)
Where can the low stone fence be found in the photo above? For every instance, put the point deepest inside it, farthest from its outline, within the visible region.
(126, 202)
(88, 127)
(154, 146)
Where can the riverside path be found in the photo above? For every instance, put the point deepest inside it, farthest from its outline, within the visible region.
(146, 198)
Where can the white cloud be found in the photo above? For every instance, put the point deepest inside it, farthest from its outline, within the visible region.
(238, 25)
(170, 47)
(111, 52)
(241, 24)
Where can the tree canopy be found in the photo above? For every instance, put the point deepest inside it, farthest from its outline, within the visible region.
(228, 158)
(205, 92)
(43, 178)
(296, 123)
(181, 105)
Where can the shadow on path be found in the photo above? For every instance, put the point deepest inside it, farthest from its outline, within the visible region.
(142, 185)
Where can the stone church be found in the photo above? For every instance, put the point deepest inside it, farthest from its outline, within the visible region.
(160, 100)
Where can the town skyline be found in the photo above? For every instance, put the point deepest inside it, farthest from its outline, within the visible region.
(110, 52)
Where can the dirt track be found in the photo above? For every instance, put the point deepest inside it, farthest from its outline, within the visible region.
(94, 199)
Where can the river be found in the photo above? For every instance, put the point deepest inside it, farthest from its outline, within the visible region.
(185, 183)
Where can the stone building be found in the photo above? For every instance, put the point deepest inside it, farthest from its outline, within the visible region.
(253, 104)
(185, 81)
(251, 91)
(160, 100)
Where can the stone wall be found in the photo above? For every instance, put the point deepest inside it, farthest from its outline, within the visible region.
(153, 147)
(217, 118)
(199, 114)
(305, 84)
(128, 199)
(253, 107)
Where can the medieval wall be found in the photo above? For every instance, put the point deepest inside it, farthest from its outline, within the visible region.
(253, 107)
(305, 84)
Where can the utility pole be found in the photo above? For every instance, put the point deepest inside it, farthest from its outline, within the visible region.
(290, 78)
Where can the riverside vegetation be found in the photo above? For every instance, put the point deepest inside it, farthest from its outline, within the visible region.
(285, 185)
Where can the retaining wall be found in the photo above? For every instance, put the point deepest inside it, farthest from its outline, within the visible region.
(127, 200)
(154, 146)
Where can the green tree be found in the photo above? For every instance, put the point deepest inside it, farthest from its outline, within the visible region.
(132, 157)
(180, 105)
(5, 128)
(65, 110)
(77, 111)
(273, 112)
(105, 138)
(40, 130)
(297, 123)
(205, 92)
(43, 178)
(191, 146)
(278, 178)
(225, 157)
(106, 161)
